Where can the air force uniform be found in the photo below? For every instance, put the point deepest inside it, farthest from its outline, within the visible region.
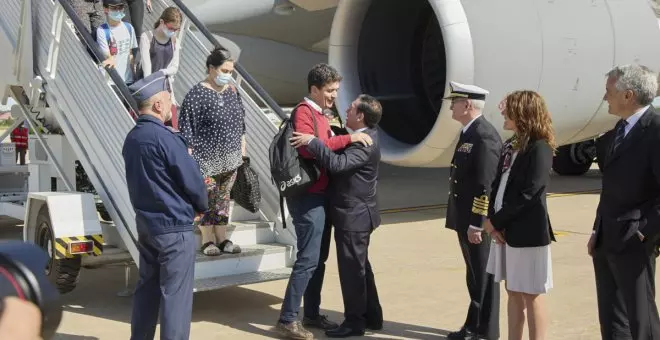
(166, 190)
(473, 169)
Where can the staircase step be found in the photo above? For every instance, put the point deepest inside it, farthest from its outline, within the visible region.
(253, 258)
(241, 279)
(246, 233)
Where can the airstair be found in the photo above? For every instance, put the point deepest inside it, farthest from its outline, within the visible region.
(46, 67)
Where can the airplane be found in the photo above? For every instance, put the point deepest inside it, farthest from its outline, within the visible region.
(406, 52)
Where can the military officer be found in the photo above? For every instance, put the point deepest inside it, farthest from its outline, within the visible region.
(473, 169)
(167, 191)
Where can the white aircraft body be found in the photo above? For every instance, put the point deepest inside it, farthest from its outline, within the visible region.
(406, 52)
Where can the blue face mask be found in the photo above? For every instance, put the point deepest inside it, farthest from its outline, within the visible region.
(116, 15)
(223, 79)
(168, 33)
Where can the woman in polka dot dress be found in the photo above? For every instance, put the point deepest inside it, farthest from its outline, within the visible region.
(213, 121)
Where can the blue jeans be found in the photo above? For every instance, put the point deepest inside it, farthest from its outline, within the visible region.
(308, 214)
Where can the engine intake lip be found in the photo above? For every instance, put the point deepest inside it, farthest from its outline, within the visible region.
(350, 38)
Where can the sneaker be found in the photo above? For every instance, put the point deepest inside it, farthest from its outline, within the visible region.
(320, 322)
(293, 330)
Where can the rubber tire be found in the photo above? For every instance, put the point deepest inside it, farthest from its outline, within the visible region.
(563, 164)
(63, 273)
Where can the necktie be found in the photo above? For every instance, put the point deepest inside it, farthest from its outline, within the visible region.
(620, 134)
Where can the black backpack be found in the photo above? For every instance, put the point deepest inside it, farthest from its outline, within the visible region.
(291, 174)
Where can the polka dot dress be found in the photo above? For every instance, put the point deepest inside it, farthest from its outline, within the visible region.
(213, 123)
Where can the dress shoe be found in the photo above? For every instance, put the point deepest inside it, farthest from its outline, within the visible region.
(344, 331)
(320, 322)
(464, 334)
(461, 334)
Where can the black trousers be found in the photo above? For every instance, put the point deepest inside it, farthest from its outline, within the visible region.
(312, 296)
(358, 286)
(484, 311)
(625, 286)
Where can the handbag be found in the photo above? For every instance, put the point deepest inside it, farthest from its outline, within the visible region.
(245, 191)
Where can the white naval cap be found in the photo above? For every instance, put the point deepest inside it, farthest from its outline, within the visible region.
(459, 90)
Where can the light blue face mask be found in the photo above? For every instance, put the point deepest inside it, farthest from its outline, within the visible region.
(223, 79)
(116, 15)
(168, 33)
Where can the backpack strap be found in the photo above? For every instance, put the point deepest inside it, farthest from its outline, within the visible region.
(316, 133)
(106, 30)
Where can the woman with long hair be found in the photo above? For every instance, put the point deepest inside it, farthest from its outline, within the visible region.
(159, 51)
(213, 122)
(518, 217)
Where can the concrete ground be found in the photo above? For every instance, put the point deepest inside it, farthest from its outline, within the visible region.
(419, 271)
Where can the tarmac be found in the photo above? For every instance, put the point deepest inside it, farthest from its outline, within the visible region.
(418, 266)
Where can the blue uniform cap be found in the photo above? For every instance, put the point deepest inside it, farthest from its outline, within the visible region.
(147, 87)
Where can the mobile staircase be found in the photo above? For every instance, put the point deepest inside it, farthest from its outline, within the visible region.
(75, 116)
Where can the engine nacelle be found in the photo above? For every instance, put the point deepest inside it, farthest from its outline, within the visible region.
(405, 53)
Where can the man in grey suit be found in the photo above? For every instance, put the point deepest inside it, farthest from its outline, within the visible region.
(354, 213)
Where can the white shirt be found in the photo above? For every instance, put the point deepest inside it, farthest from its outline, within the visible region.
(313, 105)
(632, 120)
(467, 126)
(126, 42)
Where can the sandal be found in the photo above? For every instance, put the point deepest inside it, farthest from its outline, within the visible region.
(227, 246)
(210, 249)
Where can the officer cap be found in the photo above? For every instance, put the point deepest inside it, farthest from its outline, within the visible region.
(147, 87)
(459, 90)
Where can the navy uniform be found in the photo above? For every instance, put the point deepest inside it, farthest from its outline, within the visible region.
(473, 169)
(167, 191)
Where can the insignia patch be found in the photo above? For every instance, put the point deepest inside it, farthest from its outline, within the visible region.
(465, 147)
(480, 205)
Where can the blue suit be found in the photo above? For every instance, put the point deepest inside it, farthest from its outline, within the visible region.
(166, 190)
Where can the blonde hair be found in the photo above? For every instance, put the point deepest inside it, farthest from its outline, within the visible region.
(529, 112)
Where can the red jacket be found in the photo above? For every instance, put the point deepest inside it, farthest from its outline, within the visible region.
(303, 123)
(20, 137)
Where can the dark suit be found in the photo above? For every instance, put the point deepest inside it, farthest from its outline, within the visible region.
(623, 264)
(354, 214)
(473, 169)
(524, 215)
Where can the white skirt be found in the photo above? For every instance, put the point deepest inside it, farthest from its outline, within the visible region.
(526, 270)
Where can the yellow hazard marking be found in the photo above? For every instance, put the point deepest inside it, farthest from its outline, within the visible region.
(62, 245)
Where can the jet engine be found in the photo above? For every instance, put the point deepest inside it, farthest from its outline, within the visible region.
(406, 52)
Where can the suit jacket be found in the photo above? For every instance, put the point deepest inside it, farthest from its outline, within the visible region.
(630, 195)
(524, 213)
(352, 191)
(473, 168)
